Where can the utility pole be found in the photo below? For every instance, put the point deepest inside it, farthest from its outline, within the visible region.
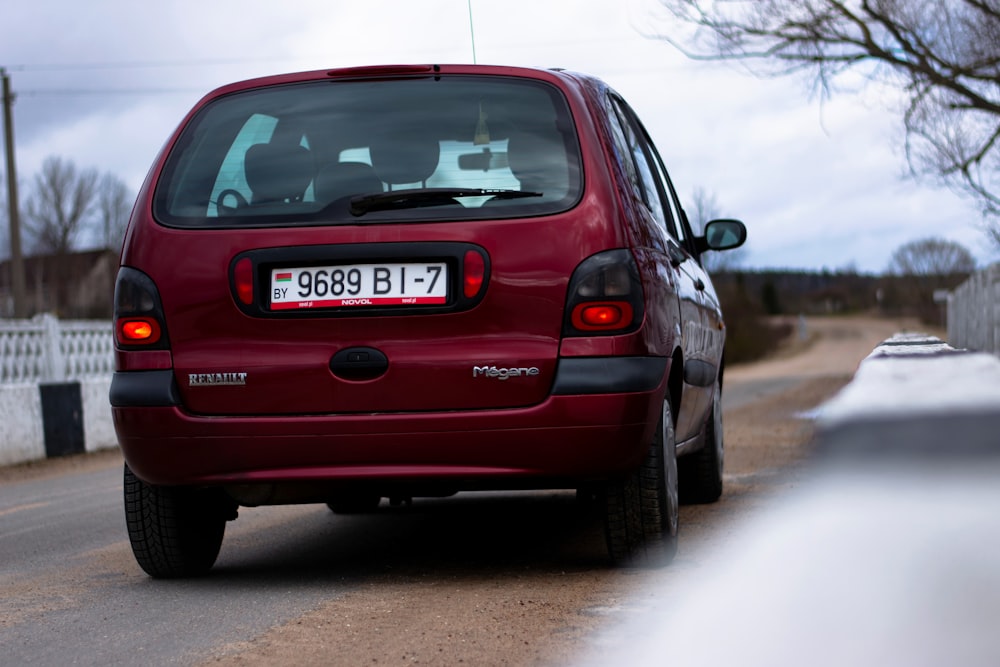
(16, 260)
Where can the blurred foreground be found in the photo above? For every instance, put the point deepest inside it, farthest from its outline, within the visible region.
(885, 556)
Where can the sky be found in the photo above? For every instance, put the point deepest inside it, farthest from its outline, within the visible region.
(819, 184)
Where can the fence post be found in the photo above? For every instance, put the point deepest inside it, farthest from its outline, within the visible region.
(55, 368)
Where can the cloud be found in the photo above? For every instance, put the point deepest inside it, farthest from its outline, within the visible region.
(122, 141)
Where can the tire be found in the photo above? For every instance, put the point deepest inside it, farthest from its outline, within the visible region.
(641, 510)
(354, 504)
(701, 472)
(175, 531)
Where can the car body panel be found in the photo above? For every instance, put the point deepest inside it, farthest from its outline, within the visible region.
(479, 395)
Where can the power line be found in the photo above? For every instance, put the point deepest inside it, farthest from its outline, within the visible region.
(109, 91)
(140, 64)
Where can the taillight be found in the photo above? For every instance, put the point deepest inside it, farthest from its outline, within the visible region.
(473, 273)
(601, 316)
(243, 280)
(141, 330)
(139, 322)
(605, 296)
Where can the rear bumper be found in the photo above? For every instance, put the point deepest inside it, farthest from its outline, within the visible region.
(599, 431)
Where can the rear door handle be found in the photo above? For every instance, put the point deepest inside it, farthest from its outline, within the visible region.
(359, 363)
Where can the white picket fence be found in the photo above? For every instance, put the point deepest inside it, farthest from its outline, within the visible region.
(46, 349)
(974, 312)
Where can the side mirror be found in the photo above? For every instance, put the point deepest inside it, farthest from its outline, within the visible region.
(724, 234)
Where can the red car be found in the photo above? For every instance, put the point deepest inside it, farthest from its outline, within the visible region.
(401, 281)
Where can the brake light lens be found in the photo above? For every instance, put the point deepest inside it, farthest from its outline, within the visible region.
(141, 330)
(602, 316)
(473, 273)
(605, 296)
(243, 280)
(139, 320)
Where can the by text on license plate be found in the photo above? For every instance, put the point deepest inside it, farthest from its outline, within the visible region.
(359, 285)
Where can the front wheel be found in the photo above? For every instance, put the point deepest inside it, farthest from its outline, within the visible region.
(641, 510)
(175, 531)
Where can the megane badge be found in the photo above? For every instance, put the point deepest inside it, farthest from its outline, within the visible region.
(503, 373)
(216, 379)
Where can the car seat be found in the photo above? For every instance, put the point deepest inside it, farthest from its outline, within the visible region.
(277, 173)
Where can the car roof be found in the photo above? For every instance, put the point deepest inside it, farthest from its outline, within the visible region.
(555, 75)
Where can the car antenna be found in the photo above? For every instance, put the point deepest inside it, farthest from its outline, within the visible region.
(472, 34)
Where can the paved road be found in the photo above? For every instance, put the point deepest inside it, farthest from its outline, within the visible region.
(73, 595)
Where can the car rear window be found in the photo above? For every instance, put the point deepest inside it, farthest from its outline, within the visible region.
(355, 152)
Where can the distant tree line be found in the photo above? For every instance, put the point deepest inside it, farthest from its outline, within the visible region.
(916, 272)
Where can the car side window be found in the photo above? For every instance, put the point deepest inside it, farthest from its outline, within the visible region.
(651, 195)
(676, 213)
(654, 175)
(623, 150)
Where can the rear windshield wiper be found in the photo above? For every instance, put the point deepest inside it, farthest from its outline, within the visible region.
(381, 201)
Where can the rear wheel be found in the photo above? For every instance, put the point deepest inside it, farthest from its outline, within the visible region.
(175, 531)
(701, 472)
(641, 510)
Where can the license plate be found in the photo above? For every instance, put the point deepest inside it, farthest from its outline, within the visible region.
(359, 285)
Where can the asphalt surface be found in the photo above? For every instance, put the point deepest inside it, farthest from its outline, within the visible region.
(74, 596)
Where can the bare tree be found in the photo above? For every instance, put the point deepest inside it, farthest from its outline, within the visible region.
(705, 207)
(931, 257)
(943, 54)
(58, 207)
(919, 269)
(114, 203)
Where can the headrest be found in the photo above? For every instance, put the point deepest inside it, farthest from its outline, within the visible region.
(538, 160)
(405, 159)
(276, 172)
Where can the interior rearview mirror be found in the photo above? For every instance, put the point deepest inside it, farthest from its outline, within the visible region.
(482, 161)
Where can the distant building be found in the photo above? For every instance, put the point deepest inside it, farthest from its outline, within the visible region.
(78, 285)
